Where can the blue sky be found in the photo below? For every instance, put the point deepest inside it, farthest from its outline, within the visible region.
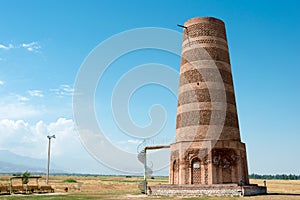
(44, 43)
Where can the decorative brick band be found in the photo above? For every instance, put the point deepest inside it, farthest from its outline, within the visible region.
(204, 95)
(191, 44)
(205, 75)
(206, 117)
(204, 40)
(205, 85)
(201, 133)
(206, 106)
(205, 29)
(210, 53)
(200, 64)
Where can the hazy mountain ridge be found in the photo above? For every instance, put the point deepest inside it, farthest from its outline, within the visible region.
(11, 163)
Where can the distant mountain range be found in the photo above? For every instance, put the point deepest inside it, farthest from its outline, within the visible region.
(13, 163)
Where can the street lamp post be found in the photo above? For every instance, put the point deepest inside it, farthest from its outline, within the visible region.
(48, 166)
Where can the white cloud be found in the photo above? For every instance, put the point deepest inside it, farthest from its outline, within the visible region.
(35, 93)
(2, 82)
(32, 46)
(18, 111)
(129, 145)
(30, 139)
(63, 90)
(16, 106)
(21, 98)
(134, 141)
(130, 141)
(2, 46)
(27, 139)
(10, 46)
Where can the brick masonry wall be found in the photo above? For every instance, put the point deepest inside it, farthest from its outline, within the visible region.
(204, 190)
(207, 150)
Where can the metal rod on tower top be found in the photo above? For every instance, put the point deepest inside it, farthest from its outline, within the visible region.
(181, 26)
(48, 166)
(187, 33)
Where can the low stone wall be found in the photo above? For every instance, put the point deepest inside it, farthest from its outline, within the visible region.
(250, 190)
(205, 190)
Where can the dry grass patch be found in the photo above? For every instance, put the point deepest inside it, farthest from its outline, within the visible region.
(116, 187)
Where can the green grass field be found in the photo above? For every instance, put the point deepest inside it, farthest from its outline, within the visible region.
(114, 187)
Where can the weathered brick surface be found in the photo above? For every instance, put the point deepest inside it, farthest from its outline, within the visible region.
(208, 149)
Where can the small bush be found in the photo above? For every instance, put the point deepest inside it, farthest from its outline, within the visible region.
(70, 181)
(25, 177)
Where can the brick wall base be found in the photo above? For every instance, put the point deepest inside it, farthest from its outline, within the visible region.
(206, 190)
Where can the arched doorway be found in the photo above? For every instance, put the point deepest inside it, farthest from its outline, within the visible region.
(227, 178)
(196, 171)
(175, 172)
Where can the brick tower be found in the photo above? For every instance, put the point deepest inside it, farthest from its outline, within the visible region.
(208, 149)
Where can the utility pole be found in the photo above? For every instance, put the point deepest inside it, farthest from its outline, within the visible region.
(48, 166)
(145, 171)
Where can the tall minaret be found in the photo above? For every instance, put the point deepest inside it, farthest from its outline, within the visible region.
(208, 148)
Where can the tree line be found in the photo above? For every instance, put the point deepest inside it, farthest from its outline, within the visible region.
(277, 176)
